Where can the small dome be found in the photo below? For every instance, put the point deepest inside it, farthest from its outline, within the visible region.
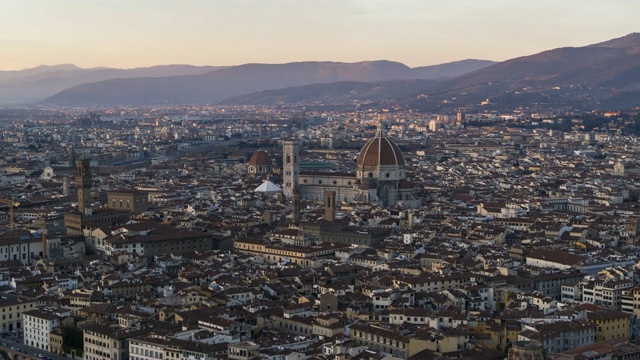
(260, 158)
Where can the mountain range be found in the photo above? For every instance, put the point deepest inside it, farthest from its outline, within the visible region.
(601, 75)
(599, 71)
(232, 81)
(36, 84)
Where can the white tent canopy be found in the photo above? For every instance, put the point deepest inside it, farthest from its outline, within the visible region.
(268, 188)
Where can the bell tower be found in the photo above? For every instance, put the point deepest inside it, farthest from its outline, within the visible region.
(295, 205)
(83, 184)
(290, 151)
(330, 206)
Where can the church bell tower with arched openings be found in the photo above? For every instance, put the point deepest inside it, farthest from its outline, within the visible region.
(290, 149)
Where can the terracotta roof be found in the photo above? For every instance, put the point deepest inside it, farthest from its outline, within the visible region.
(556, 256)
(260, 158)
(380, 151)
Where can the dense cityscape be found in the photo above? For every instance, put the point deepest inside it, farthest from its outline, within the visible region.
(311, 232)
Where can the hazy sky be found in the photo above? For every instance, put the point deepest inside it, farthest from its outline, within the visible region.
(131, 33)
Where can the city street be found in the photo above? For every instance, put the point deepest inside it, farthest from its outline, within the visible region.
(10, 344)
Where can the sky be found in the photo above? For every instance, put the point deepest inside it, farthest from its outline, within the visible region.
(136, 33)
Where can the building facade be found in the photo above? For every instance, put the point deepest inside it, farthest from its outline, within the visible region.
(39, 323)
(13, 308)
(128, 200)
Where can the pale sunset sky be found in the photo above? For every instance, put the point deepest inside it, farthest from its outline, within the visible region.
(135, 33)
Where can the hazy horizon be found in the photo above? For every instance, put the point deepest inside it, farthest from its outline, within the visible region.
(123, 34)
(152, 65)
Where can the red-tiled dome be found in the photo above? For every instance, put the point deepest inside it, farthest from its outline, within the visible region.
(260, 158)
(380, 151)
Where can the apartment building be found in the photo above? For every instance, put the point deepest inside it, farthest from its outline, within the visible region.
(13, 308)
(606, 292)
(39, 323)
(103, 342)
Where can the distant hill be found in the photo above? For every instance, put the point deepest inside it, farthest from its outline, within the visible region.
(451, 69)
(603, 75)
(337, 93)
(237, 80)
(35, 84)
(591, 72)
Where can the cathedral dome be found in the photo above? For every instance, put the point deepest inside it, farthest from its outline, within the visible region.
(260, 158)
(380, 151)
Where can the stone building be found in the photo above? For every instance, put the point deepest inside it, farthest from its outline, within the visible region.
(526, 350)
(134, 201)
(379, 178)
(85, 216)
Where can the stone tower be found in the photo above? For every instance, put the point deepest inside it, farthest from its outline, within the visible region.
(83, 184)
(289, 166)
(65, 186)
(295, 205)
(330, 205)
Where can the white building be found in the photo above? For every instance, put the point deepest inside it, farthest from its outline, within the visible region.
(20, 245)
(146, 348)
(39, 323)
(606, 292)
